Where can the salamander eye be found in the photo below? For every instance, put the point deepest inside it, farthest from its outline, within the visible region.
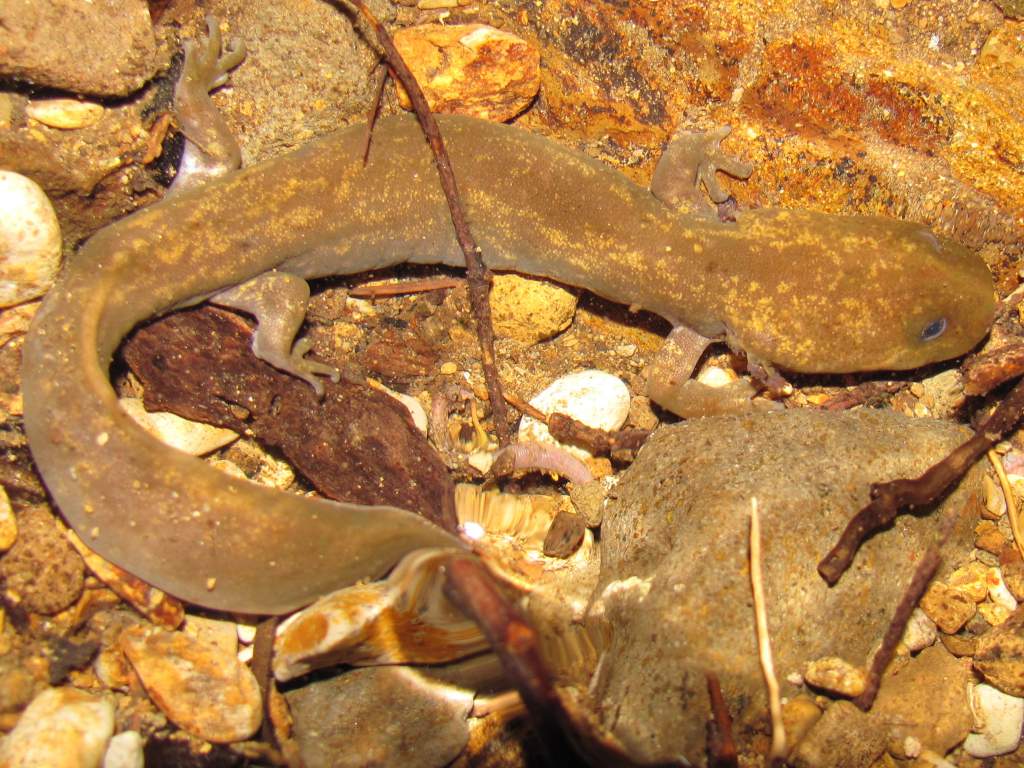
(934, 329)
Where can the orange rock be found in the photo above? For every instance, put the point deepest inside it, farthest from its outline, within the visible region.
(470, 69)
(203, 690)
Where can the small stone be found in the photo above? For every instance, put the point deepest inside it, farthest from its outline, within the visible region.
(995, 615)
(380, 716)
(1013, 577)
(843, 737)
(799, 715)
(592, 397)
(998, 592)
(959, 645)
(995, 502)
(30, 240)
(989, 538)
(835, 675)
(948, 607)
(61, 728)
(41, 570)
(971, 579)
(529, 309)
(125, 751)
(920, 632)
(998, 718)
(470, 69)
(447, 369)
(192, 437)
(8, 523)
(67, 114)
(999, 656)
(200, 688)
(925, 701)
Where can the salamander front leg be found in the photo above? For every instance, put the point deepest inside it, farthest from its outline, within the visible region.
(670, 386)
(210, 147)
(691, 160)
(278, 301)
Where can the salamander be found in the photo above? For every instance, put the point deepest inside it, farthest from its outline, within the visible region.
(801, 290)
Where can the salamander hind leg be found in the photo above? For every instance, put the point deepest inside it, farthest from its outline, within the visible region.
(278, 301)
(670, 386)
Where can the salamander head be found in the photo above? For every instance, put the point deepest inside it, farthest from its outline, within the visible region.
(862, 294)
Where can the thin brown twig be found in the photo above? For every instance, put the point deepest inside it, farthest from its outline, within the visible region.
(381, 290)
(479, 277)
(262, 655)
(926, 568)
(371, 115)
(887, 499)
(721, 746)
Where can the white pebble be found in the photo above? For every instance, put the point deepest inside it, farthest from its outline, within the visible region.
(125, 751)
(61, 728)
(998, 592)
(920, 632)
(998, 718)
(30, 244)
(592, 397)
(192, 437)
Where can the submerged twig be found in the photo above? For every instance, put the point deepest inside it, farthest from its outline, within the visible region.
(477, 275)
(721, 747)
(777, 752)
(371, 114)
(926, 568)
(887, 499)
(1011, 501)
(262, 655)
(472, 589)
(380, 290)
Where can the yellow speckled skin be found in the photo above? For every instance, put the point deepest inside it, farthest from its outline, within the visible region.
(806, 291)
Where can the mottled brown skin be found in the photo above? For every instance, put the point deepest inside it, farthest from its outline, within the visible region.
(806, 291)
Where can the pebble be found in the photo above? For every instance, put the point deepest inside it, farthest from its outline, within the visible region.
(8, 522)
(529, 309)
(998, 718)
(192, 437)
(67, 114)
(972, 579)
(126, 750)
(41, 571)
(920, 632)
(405, 619)
(198, 686)
(999, 656)
(216, 632)
(383, 716)
(835, 675)
(30, 241)
(949, 607)
(470, 69)
(1013, 577)
(592, 397)
(61, 728)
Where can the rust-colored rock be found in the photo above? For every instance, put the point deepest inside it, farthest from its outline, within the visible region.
(355, 445)
(205, 691)
(471, 69)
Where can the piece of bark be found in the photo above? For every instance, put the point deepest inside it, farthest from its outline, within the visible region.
(355, 445)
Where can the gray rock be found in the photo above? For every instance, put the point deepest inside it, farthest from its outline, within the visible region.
(103, 48)
(675, 583)
(380, 716)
